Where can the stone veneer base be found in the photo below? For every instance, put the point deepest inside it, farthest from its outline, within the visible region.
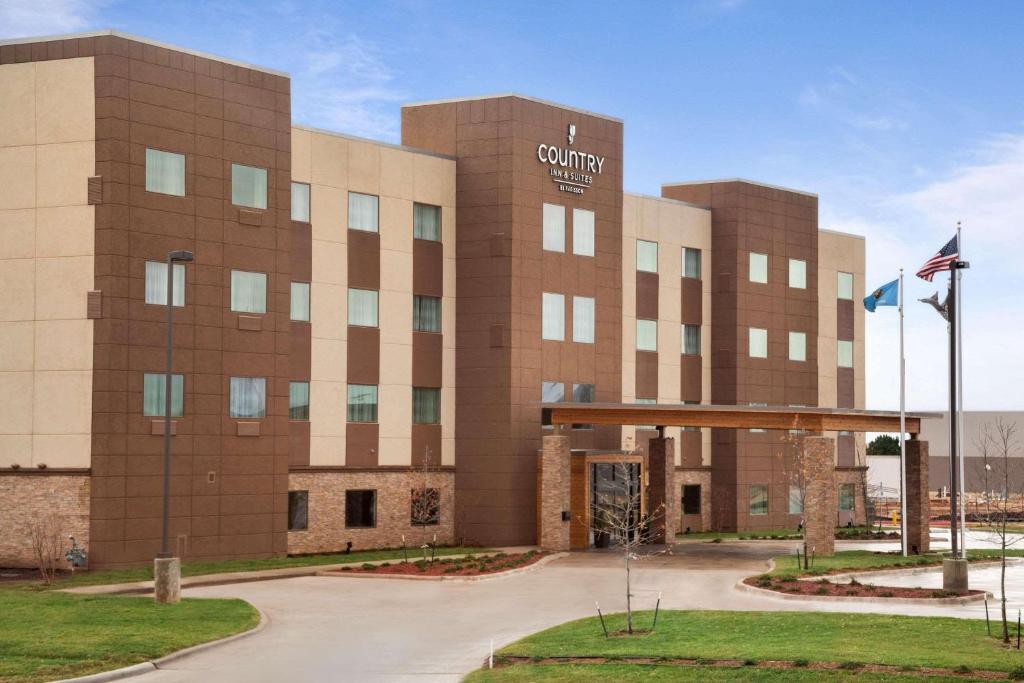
(32, 495)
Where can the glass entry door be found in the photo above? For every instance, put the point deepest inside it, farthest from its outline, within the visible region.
(614, 502)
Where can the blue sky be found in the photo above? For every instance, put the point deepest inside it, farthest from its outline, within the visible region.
(903, 117)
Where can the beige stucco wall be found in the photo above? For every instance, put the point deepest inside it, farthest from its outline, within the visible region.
(334, 165)
(47, 153)
(839, 252)
(673, 225)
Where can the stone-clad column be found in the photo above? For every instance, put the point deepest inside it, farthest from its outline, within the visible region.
(820, 500)
(918, 504)
(662, 496)
(553, 493)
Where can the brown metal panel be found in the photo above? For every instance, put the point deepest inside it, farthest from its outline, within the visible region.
(363, 259)
(646, 295)
(427, 358)
(691, 382)
(691, 301)
(845, 388)
(426, 444)
(844, 320)
(427, 268)
(646, 376)
(363, 359)
(361, 444)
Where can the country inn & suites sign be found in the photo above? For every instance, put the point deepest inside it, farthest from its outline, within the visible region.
(572, 171)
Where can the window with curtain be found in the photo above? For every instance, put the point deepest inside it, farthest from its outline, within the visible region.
(154, 387)
(300, 202)
(797, 273)
(248, 397)
(248, 186)
(298, 400)
(758, 499)
(554, 227)
(583, 319)
(362, 403)
(758, 431)
(300, 301)
(691, 340)
(426, 222)
(796, 500)
(362, 307)
(758, 267)
(553, 318)
(165, 172)
(847, 498)
(426, 313)
(844, 286)
(646, 335)
(156, 284)
(844, 353)
(426, 406)
(363, 212)
(691, 263)
(647, 256)
(360, 509)
(298, 510)
(582, 232)
(798, 346)
(583, 393)
(758, 343)
(248, 292)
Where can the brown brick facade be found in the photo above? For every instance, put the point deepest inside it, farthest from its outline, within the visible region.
(32, 496)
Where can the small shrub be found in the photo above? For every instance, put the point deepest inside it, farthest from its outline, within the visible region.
(822, 590)
(367, 566)
(701, 661)
(421, 565)
(908, 667)
(854, 582)
(482, 567)
(749, 662)
(963, 669)
(787, 578)
(800, 663)
(450, 570)
(346, 569)
(716, 540)
(850, 666)
(384, 564)
(1017, 674)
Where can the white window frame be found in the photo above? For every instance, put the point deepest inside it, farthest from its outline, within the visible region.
(259, 174)
(157, 182)
(844, 286)
(157, 271)
(797, 273)
(682, 339)
(355, 293)
(758, 264)
(553, 316)
(844, 348)
(699, 259)
(261, 306)
(554, 227)
(755, 337)
(646, 328)
(299, 305)
(354, 223)
(797, 346)
(583, 232)
(584, 312)
(643, 255)
(301, 209)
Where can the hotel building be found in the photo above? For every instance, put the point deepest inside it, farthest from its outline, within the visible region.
(368, 331)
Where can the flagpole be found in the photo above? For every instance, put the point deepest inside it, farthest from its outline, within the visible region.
(960, 389)
(903, 429)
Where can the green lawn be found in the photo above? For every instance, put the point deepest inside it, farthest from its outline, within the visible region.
(46, 636)
(789, 636)
(862, 560)
(567, 673)
(145, 573)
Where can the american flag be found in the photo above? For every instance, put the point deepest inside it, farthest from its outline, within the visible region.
(941, 261)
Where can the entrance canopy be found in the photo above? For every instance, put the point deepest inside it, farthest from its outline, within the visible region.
(732, 417)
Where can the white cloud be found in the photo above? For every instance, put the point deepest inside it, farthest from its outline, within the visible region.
(27, 18)
(847, 98)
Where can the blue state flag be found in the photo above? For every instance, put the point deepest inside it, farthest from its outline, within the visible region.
(886, 295)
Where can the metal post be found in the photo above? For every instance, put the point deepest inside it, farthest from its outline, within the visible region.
(904, 541)
(960, 265)
(165, 550)
(954, 487)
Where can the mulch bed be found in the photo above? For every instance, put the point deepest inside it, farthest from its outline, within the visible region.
(18, 574)
(825, 588)
(469, 565)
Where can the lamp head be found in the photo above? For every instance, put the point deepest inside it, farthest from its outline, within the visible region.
(181, 255)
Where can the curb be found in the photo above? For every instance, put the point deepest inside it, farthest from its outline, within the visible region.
(461, 579)
(905, 571)
(155, 664)
(964, 600)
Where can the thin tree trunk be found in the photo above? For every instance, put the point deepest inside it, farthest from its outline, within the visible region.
(1002, 577)
(629, 604)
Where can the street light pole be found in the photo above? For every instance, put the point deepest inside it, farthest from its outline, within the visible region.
(166, 568)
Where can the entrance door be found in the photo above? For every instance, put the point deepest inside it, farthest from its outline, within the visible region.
(614, 502)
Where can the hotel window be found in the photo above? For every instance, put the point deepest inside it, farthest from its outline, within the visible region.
(645, 401)
(426, 222)
(758, 267)
(298, 510)
(156, 284)
(798, 346)
(797, 274)
(362, 307)
(165, 172)
(426, 313)
(583, 319)
(796, 500)
(646, 335)
(360, 509)
(758, 342)
(248, 397)
(582, 232)
(583, 393)
(554, 227)
(691, 263)
(844, 286)
(362, 402)
(425, 507)
(426, 406)
(553, 319)
(248, 186)
(248, 292)
(300, 202)
(844, 354)
(691, 340)
(300, 302)
(154, 388)
(759, 431)
(362, 212)
(647, 256)
(847, 498)
(758, 499)
(691, 499)
(298, 400)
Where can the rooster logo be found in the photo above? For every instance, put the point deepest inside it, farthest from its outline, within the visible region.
(572, 133)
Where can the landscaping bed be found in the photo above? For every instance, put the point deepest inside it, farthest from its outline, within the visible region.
(791, 585)
(846, 561)
(468, 565)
